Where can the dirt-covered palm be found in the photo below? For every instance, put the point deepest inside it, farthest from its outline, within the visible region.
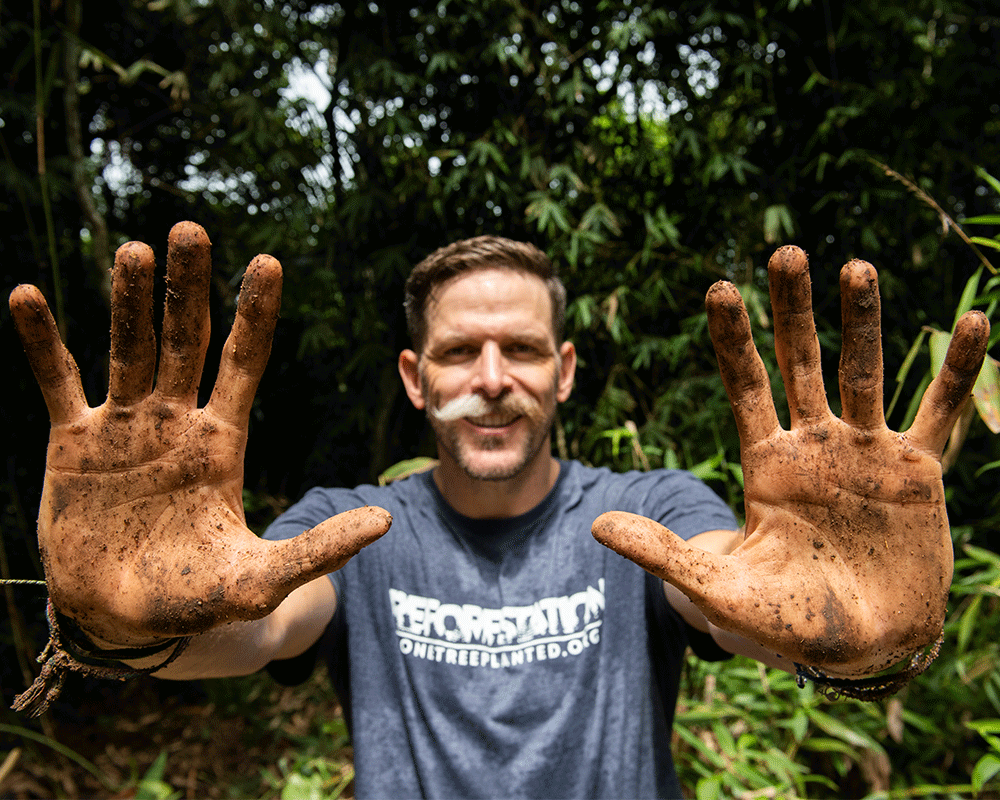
(847, 558)
(141, 525)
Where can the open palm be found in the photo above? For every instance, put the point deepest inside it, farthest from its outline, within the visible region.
(847, 557)
(141, 525)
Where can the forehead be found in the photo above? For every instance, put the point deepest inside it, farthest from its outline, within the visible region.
(489, 300)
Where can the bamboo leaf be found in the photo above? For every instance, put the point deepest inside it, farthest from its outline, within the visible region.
(982, 173)
(968, 295)
(986, 394)
(985, 770)
(406, 468)
(967, 623)
(834, 727)
(904, 369)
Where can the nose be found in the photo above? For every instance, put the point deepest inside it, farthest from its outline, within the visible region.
(491, 377)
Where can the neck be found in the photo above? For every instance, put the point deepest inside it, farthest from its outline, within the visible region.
(479, 499)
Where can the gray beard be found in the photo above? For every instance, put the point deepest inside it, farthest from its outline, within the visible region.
(474, 407)
(449, 441)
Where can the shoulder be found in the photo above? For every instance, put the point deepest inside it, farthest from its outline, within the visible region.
(320, 503)
(633, 486)
(675, 498)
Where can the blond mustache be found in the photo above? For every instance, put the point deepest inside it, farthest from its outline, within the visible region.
(475, 405)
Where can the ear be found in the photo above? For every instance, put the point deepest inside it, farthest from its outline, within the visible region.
(409, 371)
(567, 371)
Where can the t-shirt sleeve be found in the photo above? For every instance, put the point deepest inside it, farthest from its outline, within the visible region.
(688, 506)
(315, 506)
(704, 646)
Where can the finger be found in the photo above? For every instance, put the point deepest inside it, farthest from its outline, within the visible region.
(775, 610)
(133, 343)
(249, 345)
(713, 582)
(743, 372)
(325, 548)
(186, 316)
(251, 582)
(944, 399)
(861, 352)
(55, 370)
(795, 343)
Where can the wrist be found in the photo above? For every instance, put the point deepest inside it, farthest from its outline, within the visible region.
(876, 686)
(70, 650)
(88, 647)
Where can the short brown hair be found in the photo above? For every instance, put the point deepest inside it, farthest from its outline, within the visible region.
(467, 255)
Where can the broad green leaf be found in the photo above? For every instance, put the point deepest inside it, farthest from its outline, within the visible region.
(938, 344)
(725, 739)
(781, 765)
(750, 775)
(825, 745)
(985, 393)
(406, 468)
(985, 770)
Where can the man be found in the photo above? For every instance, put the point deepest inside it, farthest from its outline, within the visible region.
(488, 645)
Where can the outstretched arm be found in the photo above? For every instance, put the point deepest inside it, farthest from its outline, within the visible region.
(847, 558)
(141, 527)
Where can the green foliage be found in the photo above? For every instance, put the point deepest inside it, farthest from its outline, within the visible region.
(988, 766)
(650, 150)
(742, 729)
(986, 392)
(152, 786)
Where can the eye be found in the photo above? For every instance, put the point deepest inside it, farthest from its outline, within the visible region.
(458, 351)
(521, 350)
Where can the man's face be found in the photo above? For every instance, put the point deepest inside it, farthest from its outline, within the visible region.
(491, 372)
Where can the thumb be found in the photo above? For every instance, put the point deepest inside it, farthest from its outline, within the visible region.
(706, 578)
(325, 548)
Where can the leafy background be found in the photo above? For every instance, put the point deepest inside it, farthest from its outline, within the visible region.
(651, 150)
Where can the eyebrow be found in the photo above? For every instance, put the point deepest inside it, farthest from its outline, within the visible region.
(529, 337)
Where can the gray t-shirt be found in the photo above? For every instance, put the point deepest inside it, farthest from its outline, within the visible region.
(514, 657)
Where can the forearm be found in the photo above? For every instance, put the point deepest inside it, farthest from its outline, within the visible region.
(239, 648)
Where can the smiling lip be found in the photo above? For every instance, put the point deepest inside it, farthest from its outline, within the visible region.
(490, 425)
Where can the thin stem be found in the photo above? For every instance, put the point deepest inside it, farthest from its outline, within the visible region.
(43, 180)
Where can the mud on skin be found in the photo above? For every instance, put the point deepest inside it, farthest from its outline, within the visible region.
(141, 526)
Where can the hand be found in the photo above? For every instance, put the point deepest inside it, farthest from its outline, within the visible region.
(141, 525)
(847, 557)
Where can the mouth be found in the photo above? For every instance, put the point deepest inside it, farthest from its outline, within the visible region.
(492, 422)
